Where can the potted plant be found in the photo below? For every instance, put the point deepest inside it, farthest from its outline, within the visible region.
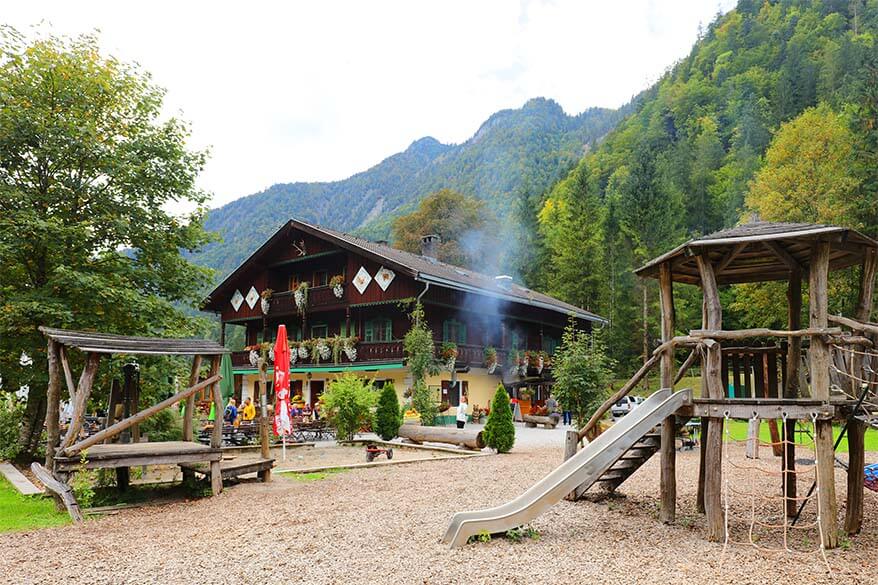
(321, 350)
(490, 359)
(302, 350)
(337, 284)
(265, 301)
(350, 347)
(448, 354)
(300, 295)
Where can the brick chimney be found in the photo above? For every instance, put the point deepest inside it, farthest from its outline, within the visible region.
(430, 246)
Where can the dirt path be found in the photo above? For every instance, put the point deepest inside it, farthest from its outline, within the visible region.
(383, 525)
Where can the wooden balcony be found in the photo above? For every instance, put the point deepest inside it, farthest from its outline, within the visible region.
(284, 303)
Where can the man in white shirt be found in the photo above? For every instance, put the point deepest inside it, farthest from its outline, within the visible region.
(461, 412)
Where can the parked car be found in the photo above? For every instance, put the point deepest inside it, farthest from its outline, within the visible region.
(625, 405)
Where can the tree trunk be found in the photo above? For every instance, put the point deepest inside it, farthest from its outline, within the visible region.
(32, 423)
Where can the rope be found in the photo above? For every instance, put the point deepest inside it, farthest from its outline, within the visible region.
(752, 492)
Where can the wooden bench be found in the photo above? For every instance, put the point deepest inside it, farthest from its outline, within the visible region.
(549, 422)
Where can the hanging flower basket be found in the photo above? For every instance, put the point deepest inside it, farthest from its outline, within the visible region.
(350, 350)
(265, 300)
(254, 357)
(337, 284)
(490, 359)
(271, 355)
(322, 349)
(303, 351)
(300, 296)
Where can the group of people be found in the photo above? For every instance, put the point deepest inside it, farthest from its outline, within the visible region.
(247, 412)
(553, 409)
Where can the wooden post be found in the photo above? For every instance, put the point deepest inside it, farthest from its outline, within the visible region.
(791, 388)
(265, 447)
(713, 442)
(115, 396)
(571, 446)
(853, 519)
(818, 352)
(216, 438)
(705, 422)
(53, 405)
(189, 409)
(668, 482)
(83, 392)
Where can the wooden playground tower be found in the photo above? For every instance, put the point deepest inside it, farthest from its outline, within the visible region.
(762, 252)
(70, 453)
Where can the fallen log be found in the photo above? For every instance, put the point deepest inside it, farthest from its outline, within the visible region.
(461, 437)
(64, 491)
(549, 422)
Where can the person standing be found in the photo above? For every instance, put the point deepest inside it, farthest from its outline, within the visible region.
(461, 412)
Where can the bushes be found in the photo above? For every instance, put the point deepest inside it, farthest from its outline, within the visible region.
(11, 412)
(422, 401)
(165, 425)
(387, 415)
(348, 404)
(499, 431)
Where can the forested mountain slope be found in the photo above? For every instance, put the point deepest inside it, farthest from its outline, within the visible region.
(535, 145)
(684, 162)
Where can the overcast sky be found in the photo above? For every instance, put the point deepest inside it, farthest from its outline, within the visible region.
(296, 91)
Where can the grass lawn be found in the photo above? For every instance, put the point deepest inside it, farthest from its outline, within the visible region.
(738, 431)
(18, 512)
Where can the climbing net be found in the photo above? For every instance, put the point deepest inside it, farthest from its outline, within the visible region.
(764, 516)
(866, 379)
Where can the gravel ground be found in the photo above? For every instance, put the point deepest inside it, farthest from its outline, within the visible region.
(383, 525)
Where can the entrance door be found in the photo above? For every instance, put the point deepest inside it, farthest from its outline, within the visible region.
(316, 391)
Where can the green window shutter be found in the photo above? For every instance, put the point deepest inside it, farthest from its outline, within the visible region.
(388, 330)
(461, 333)
(369, 331)
(445, 331)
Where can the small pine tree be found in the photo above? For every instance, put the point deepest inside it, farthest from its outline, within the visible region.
(499, 431)
(387, 415)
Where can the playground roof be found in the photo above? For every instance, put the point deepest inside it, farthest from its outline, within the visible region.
(109, 343)
(761, 251)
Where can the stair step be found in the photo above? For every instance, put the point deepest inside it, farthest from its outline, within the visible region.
(638, 453)
(611, 475)
(626, 464)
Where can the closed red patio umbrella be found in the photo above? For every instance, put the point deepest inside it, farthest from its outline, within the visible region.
(282, 424)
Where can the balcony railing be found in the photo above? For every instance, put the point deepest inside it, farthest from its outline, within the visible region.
(284, 303)
(392, 351)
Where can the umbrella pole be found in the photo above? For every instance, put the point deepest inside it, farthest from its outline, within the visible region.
(285, 445)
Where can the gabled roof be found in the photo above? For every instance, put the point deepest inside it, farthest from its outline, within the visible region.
(761, 251)
(420, 268)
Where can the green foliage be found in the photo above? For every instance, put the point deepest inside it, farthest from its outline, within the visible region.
(165, 425)
(18, 512)
(483, 536)
(387, 416)
(83, 483)
(348, 404)
(519, 533)
(583, 372)
(466, 226)
(423, 402)
(11, 411)
(89, 163)
(499, 432)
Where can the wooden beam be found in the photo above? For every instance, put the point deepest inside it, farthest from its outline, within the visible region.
(739, 334)
(729, 258)
(53, 402)
(668, 481)
(68, 375)
(83, 391)
(785, 257)
(137, 418)
(791, 388)
(189, 409)
(854, 324)
(687, 363)
(216, 438)
(818, 310)
(64, 491)
(853, 520)
(713, 443)
(265, 450)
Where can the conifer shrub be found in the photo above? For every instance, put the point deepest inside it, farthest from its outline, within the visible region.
(388, 417)
(499, 431)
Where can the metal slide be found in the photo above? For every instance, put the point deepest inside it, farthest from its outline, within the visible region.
(583, 468)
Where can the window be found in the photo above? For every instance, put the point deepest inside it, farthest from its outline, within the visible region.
(516, 340)
(380, 329)
(550, 344)
(453, 330)
(348, 331)
(452, 395)
(319, 330)
(321, 278)
(294, 281)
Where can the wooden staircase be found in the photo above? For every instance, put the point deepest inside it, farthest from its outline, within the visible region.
(633, 459)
